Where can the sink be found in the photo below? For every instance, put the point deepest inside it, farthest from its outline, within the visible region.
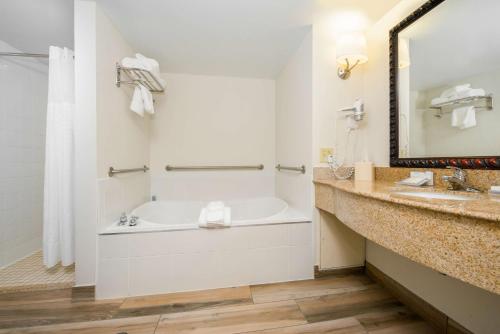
(433, 195)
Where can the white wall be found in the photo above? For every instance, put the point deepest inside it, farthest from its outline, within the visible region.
(23, 106)
(210, 120)
(85, 143)
(122, 136)
(294, 128)
(107, 134)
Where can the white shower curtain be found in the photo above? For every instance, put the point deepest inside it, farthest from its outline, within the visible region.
(58, 222)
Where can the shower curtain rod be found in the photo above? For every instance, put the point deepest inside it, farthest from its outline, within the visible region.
(18, 54)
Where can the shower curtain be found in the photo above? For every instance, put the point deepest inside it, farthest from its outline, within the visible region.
(58, 222)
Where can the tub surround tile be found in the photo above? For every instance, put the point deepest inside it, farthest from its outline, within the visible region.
(458, 238)
(171, 261)
(112, 278)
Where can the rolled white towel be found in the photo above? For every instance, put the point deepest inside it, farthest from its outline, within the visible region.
(152, 66)
(471, 92)
(454, 91)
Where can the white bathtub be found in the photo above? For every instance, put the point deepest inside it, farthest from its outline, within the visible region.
(166, 252)
(183, 215)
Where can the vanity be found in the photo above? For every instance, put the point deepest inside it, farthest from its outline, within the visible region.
(454, 233)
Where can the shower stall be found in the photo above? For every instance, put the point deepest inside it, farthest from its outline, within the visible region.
(24, 86)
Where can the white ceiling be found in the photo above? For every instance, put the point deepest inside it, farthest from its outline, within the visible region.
(250, 38)
(457, 39)
(33, 25)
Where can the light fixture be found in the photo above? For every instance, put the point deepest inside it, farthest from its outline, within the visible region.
(403, 53)
(351, 51)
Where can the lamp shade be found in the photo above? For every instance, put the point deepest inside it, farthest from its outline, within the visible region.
(403, 53)
(351, 48)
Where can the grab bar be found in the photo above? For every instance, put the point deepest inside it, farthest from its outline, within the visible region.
(301, 169)
(169, 168)
(113, 171)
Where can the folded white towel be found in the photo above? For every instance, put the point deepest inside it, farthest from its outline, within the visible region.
(215, 219)
(439, 100)
(463, 118)
(137, 104)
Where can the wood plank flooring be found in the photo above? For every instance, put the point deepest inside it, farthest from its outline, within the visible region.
(348, 304)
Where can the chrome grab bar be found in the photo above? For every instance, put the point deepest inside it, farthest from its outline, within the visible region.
(170, 168)
(301, 169)
(112, 171)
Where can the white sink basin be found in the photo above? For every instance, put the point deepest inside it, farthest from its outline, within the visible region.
(432, 195)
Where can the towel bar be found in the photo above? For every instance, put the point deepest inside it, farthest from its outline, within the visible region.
(112, 171)
(301, 169)
(169, 168)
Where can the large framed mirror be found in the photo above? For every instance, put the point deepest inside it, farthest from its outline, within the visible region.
(445, 86)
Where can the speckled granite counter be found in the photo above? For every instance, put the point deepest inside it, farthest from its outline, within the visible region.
(481, 206)
(457, 238)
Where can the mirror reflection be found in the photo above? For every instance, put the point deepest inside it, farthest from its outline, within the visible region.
(448, 108)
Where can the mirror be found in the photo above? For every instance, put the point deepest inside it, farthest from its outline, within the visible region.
(445, 86)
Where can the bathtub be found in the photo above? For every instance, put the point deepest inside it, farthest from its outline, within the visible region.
(166, 252)
(183, 215)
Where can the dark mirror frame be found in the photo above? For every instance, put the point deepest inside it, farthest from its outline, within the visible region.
(491, 162)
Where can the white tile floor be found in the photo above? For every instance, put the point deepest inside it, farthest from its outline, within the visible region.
(30, 274)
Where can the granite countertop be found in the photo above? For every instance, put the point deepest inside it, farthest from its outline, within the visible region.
(481, 206)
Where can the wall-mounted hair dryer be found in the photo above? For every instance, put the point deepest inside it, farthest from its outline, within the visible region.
(354, 114)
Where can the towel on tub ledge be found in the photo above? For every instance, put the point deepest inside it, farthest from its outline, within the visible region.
(215, 215)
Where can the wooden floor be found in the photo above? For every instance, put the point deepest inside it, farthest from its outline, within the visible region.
(336, 304)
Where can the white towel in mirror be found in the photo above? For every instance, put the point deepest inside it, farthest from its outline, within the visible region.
(463, 118)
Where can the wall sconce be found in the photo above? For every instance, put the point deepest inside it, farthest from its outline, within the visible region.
(351, 51)
(403, 53)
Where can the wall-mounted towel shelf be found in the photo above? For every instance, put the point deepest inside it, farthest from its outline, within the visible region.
(301, 169)
(138, 76)
(169, 168)
(480, 102)
(112, 171)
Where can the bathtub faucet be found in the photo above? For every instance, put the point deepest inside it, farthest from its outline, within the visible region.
(133, 221)
(123, 219)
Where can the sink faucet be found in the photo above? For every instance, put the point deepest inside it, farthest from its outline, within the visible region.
(458, 181)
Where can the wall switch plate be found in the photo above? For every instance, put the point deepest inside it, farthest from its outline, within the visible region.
(324, 152)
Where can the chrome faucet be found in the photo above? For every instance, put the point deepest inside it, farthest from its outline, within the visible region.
(123, 219)
(458, 181)
(133, 221)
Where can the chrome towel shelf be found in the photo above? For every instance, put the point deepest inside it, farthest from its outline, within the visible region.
(112, 171)
(170, 168)
(301, 169)
(138, 76)
(479, 102)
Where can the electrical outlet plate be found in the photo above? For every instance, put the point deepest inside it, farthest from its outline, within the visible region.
(324, 152)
